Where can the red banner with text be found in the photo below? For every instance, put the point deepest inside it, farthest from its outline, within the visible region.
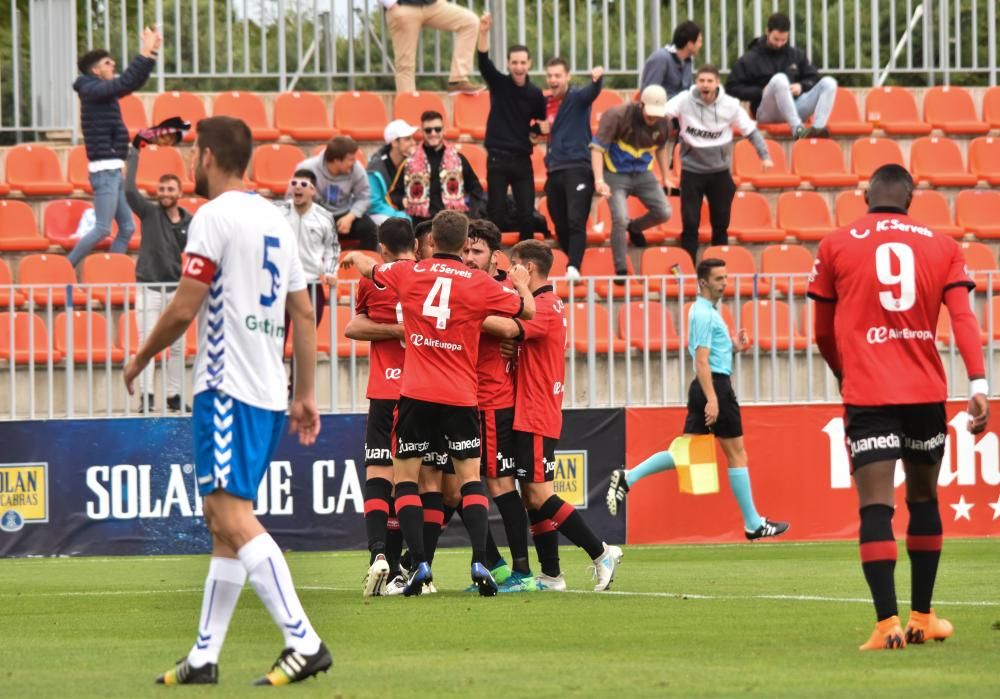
(800, 473)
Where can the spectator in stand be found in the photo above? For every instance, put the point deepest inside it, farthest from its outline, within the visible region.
(105, 137)
(515, 103)
(407, 17)
(437, 177)
(781, 84)
(707, 116)
(342, 189)
(569, 188)
(158, 270)
(629, 138)
(672, 67)
(387, 167)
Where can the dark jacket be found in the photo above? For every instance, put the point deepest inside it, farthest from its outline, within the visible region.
(665, 69)
(104, 133)
(163, 241)
(512, 110)
(569, 136)
(759, 64)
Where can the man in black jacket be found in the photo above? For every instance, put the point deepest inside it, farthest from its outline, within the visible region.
(781, 84)
(106, 137)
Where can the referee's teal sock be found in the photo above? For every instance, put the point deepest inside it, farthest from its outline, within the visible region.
(660, 461)
(739, 483)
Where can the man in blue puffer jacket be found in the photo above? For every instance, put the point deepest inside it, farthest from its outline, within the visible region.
(106, 137)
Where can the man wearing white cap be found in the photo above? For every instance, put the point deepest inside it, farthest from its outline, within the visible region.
(630, 137)
(386, 166)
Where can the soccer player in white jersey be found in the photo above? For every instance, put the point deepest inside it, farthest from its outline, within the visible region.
(242, 271)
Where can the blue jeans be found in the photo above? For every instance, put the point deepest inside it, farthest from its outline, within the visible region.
(109, 204)
(777, 104)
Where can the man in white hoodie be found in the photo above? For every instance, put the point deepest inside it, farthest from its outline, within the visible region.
(707, 116)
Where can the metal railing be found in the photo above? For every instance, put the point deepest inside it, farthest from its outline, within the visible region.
(272, 45)
(626, 345)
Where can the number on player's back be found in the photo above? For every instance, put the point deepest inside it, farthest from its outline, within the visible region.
(271, 241)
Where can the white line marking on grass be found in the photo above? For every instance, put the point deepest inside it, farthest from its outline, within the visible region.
(774, 598)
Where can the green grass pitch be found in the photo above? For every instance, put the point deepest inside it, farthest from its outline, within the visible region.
(765, 619)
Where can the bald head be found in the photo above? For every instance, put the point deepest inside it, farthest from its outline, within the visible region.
(890, 185)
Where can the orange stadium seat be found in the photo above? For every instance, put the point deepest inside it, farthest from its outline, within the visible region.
(185, 105)
(740, 262)
(471, 112)
(61, 218)
(476, 155)
(991, 314)
(820, 162)
(110, 268)
(938, 161)
(577, 329)
(34, 171)
(538, 168)
(599, 262)
(675, 225)
(984, 159)
(132, 337)
(869, 154)
(747, 166)
(950, 108)
(804, 215)
(599, 223)
(981, 261)
(344, 315)
(781, 260)
(669, 263)
(774, 325)
(894, 110)
(605, 100)
(991, 107)
(8, 296)
(724, 311)
(134, 114)
(646, 326)
(50, 274)
(930, 208)
(30, 342)
(850, 206)
(274, 164)
(978, 211)
(347, 277)
(360, 115)
(77, 171)
(303, 116)
(654, 234)
(192, 204)
(752, 221)
(845, 119)
(18, 227)
(156, 161)
(90, 338)
(4, 189)
(408, 106)
(248, 107)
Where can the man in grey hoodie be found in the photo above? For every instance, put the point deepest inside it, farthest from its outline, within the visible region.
(707, 116)
(672, 66)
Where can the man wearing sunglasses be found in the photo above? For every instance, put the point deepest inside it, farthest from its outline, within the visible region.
(437, 176)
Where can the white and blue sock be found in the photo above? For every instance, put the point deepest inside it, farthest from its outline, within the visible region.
(739, 483)
(223, 585)
(660, 461)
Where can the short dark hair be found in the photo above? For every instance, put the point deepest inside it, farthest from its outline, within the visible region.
(534, 251)
(450, 230)
(779, 22)
(396, 235)
(890, 185)
(338, 148)
(421, 229)
(707, 68)
(168, 176)
(487, 231)
(557, 61)
(91, 59)
(230, 141)
(517, 48)
(307, 173)
(706, 266)
(685, 33)
(431, 115)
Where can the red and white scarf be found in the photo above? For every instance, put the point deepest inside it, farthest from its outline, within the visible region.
(418, 182)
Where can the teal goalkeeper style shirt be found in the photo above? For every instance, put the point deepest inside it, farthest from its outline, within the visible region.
(706, 328)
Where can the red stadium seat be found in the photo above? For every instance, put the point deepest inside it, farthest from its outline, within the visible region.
(274, 164)
(820, 162)
(654, 234)
(663, 265)
(991, 107)
(991, 317)
(129, 335)
(91, 340)
(408, 106)
(9, 296)
(984, 159)
(303, 116)
(346, 278)
(471, 112)
(248, 107)
(77, 169)
(752, 221)
(156, 161)
(894, 110)
(647, 326)
(134, 114)
(950, 108)
(605, 100)
(49, 275)
(804, 215)
(599, 223)
(869, 154)
(930, 208)
(35, 171)
(845, 119)
(741, 269)
(978, 211)
(185, 105)
(724, 311)
(111, 276)
(344, 315)
(18, 228)
(538, 168)
(476, 155)
(938, 161)
(747, 166)
(774, 325)
(675, 225)
(61, 218)
(982, 265)
(782, 260)
(578, 329)
(192, 204)
(360, 115)
(30, 341)
(850, 206)
(599, 262)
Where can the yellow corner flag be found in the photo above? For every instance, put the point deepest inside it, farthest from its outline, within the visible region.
(694, 459)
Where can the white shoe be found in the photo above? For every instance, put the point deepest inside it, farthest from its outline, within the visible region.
(546, 583)
(572, 273)
(605, 565)
(375, 579)
(395, 586)
(429, 589)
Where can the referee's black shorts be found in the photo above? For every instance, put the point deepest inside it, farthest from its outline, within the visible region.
(729, 425)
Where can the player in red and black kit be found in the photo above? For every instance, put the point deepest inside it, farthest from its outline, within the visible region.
(879, 284)
(378, 319)
(539, 383)
(444, 304)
